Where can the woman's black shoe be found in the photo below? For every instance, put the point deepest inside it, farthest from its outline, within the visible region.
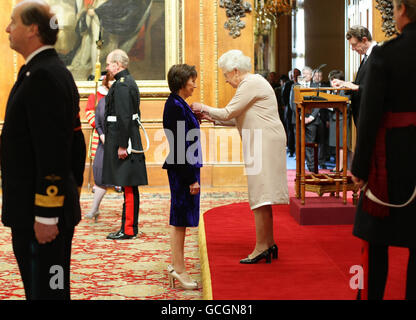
(264, 255)
(274, 250)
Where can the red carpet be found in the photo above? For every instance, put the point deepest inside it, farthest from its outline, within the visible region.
(314, 261)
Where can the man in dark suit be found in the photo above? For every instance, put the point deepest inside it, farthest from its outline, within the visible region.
(290, 118)
(121, 167)
(361, 41)
(285, 86)
(42, 156)
(323, 128)
(312, 121)
(385, 156)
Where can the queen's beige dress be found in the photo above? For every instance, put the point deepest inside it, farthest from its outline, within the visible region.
(253, 109)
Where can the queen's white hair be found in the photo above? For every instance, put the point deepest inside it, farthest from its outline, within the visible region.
(234, 59)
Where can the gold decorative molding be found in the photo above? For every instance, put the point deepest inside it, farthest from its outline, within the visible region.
(386, 9)
(216, 97)
(201, 47)
(235, 10)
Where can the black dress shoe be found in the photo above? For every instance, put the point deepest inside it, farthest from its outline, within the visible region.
(114, 233)
(264, 255)
(119, 236)
(274, 250)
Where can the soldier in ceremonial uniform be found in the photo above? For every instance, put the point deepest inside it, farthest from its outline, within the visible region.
(42, 156)
(120, 167)
(385, 156)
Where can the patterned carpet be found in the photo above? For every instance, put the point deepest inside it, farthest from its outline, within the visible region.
(121, 270)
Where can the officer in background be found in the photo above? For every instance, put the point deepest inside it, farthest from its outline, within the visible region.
(385, 156)
(42, 156)
(121, 168)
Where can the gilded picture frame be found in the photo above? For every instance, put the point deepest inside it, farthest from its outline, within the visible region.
(153, 45)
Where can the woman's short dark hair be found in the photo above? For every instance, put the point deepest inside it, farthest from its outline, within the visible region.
(178, 76)
(41, 15)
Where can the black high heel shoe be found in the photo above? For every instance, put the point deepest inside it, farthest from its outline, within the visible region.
(274, 250)
(264, 255)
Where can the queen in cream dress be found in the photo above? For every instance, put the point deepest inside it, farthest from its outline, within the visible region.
(253, 110)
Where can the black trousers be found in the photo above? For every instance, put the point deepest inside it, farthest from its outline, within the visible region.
(290, 130)
(323, 139)
(130, 215)
(310, 137)
(44, 268)
(378, 264)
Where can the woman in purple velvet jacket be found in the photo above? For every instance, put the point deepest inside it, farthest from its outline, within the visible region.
(183, 167)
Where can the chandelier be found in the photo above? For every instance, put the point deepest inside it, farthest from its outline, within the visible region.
(268, 13)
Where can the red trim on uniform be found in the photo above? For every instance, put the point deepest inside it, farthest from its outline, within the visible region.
(129, 205)
(377, 179)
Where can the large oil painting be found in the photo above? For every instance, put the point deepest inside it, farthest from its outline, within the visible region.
(146, 29)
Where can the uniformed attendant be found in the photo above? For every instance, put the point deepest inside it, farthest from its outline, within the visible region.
(385, 156)
(42, 156)
(121, 168)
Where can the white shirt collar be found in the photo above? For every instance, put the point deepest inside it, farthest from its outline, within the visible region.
(373, 44)
(34, 53)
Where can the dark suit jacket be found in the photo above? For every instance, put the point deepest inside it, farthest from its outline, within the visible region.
(182, 131)
(314, 112)
(386, 92)
(42, 145)
(286, 92)
(356, 94)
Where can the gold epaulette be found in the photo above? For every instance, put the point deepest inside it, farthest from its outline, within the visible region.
(50, 200)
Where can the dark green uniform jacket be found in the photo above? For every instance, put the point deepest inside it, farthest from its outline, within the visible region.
(122, 102)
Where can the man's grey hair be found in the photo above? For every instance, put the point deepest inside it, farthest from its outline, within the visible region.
(120, 56)
(410, 8)
(358, 32)
(38, 12)
(234, 59)
(306, 68)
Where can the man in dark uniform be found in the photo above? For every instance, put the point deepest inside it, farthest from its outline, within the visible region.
(385, 156)
(121, 168)
(42, 156)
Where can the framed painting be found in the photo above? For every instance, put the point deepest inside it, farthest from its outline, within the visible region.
(150, 31)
